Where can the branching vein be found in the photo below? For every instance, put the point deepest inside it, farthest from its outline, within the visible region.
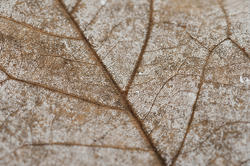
(144, 46)
(35, 84)
(202, 80)
(140, 126)
(37, 29)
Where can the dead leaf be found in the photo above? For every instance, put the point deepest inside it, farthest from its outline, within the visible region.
(131, 82)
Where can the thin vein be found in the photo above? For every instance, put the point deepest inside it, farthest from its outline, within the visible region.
(226, 17)
(142, 83)
(71, 144)
(242, 49)
(156, 96)
(215, 130)
(226, 85)
(95, 16)
(144, 46)
(35, 84)
(166, 48)
(5, 80)
(5, 122)
(202, 80)
(74, 9)
(244, 162)
(172, 23)
(110, 33)
(67, 59)
(110, 50)
(229, 33)
(38, 30)
(169, 79)
(197, 41)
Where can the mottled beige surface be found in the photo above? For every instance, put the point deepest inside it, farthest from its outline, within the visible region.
(125, 82)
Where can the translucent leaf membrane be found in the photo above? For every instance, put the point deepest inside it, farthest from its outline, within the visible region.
(109, 82)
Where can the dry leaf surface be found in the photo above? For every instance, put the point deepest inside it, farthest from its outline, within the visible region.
(125, 82)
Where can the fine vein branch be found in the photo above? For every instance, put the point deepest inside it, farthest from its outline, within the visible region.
(123, 96)
(144, 46)
(37, 29)
(229, 33)
(71, 144)
(36, 84)
(191, 119)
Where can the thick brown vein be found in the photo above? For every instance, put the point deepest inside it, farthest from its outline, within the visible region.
(144, 46)
(140, 126)
(202, 80)
(35, 84)
(89, 45)
(37, 29)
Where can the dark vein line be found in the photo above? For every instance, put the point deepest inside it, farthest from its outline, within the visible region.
(144, 46)
(159, 91)
(244, 162)
(173, 24)
(110, 33)
(197, 41)
(229, 33)
(35, 84)
(67, 59)
(5, 122)
(166, 48)
(3, 81)
(71, 144)
(226, 18)
(89, 45)
(37, 29)
(202, 80)
(75, 7)
(242, 49)
(123, 96)
(215, 130)
(145, 82)
(95, 16)
(110, 50)
(226, 85)
(156, 96)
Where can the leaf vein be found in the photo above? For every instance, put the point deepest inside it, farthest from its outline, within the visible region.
(37, 29)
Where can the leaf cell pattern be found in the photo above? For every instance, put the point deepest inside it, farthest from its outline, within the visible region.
(135, 82)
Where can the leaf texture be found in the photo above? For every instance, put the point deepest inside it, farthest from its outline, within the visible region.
(135, 82)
